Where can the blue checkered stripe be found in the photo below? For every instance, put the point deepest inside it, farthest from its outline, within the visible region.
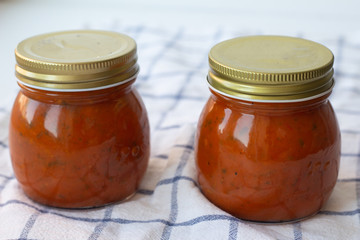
(169, 204)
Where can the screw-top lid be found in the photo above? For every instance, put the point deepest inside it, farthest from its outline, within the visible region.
(271, 69)
(76, 60)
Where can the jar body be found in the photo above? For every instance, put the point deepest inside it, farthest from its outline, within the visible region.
(79, 149)
(267, 162)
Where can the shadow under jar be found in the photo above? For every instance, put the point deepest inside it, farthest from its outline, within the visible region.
(79, 132)
(268, 143)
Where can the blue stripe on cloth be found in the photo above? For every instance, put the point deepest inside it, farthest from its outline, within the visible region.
(162, 156)
(341, 213)
(47, 210)
(207, 218)
(350, 154)
(6, 177)
(174, 204)
(297, 231)
(100, 227)
(357, 187)
(7, 180)
(175, 179)
(350, 131)
(2, 144)
(145, 191)
(191, 222)
(349, 180)
(29, 224)
(233, 229)
(190, 147)
(165, 182)
(173, 127)
(168, 127)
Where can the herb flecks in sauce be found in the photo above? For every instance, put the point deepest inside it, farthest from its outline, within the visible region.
(267, 166)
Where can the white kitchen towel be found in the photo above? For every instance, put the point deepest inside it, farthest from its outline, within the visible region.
(169, 204)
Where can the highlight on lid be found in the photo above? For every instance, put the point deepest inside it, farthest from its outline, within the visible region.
(271, 68)
(82, 59)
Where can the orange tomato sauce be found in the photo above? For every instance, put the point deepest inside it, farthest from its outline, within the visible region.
(79, 149)
(267, 162)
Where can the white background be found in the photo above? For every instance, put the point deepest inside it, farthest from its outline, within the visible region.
(20, 19)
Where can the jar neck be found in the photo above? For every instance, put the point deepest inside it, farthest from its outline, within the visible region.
(76, 97)
(269, 108)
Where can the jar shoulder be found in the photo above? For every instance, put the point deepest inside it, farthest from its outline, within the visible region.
(221, 113)
(298, 131)
(96, 120)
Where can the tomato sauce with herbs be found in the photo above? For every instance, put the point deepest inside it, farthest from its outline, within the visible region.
(79, 149)
(267, 162)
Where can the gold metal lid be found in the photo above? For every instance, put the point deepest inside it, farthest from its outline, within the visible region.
(76, 60)
(271, 68)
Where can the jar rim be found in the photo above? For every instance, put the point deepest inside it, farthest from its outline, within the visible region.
(75, 60)
(74, 90)
(279, 100)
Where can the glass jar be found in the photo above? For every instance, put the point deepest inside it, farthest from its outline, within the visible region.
(79, 132)
(268, 143)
